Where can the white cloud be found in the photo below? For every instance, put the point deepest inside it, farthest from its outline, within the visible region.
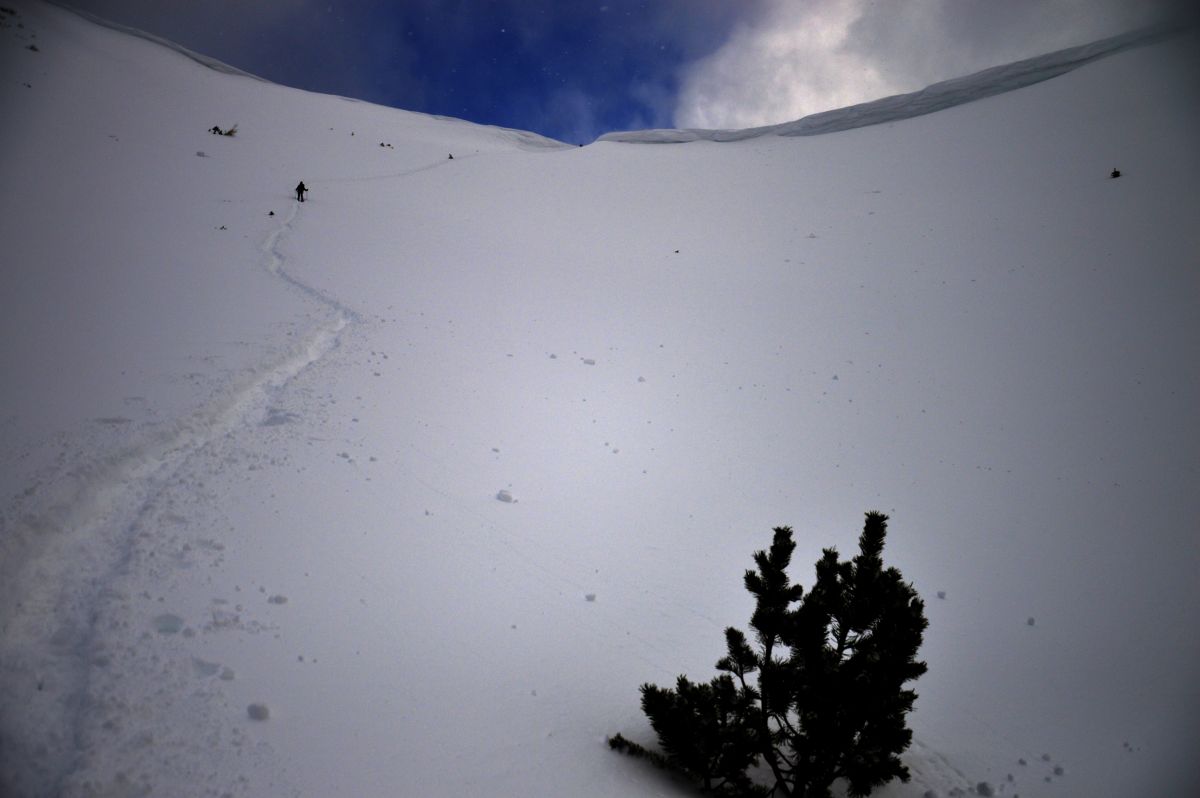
(790, 62)
(804, 56)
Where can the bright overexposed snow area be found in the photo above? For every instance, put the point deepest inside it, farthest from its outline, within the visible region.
(405, 490)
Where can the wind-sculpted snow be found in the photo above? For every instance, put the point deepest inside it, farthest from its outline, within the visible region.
(937, 97)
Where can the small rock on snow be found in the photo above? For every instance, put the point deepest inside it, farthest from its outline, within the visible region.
(504, 496)
(168, 624)
(204, 668)
(276, 417)
(258, 712)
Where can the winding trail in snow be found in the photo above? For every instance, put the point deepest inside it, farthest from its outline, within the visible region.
(274, 261)
(391, 175)
(59, 564)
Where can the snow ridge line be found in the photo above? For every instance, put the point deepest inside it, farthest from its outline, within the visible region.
(74, 550)
(936, 97)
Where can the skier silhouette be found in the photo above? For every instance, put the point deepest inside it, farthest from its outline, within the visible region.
(300, 189)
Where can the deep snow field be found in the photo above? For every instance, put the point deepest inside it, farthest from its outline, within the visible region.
(404, 490)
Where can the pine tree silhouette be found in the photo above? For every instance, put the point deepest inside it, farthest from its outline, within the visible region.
(819, 696)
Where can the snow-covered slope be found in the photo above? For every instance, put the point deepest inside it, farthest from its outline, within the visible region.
(938, 97)
(252, 449)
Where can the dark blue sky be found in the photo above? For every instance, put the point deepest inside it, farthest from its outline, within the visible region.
(573, 70)
(567, 69)
(534, 64)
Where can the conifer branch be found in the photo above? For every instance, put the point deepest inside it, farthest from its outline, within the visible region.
(784, 702)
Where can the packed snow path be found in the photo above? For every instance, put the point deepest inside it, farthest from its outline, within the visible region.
(84, 541)
(275, 263)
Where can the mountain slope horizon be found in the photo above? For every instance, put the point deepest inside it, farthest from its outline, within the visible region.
(405, 489)
(937, 96)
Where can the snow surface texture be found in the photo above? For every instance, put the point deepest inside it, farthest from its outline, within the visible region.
(254, 453)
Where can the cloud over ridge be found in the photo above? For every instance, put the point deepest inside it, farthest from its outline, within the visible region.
(798, 58)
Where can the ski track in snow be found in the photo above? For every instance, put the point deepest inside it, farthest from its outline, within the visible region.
(522, 550)
(83, 541)
(103, 694)
(388, 176)
(275, 261)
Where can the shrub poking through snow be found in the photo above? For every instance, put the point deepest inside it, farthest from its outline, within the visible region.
(819, 696)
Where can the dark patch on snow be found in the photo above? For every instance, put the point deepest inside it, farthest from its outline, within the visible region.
(168, 624)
